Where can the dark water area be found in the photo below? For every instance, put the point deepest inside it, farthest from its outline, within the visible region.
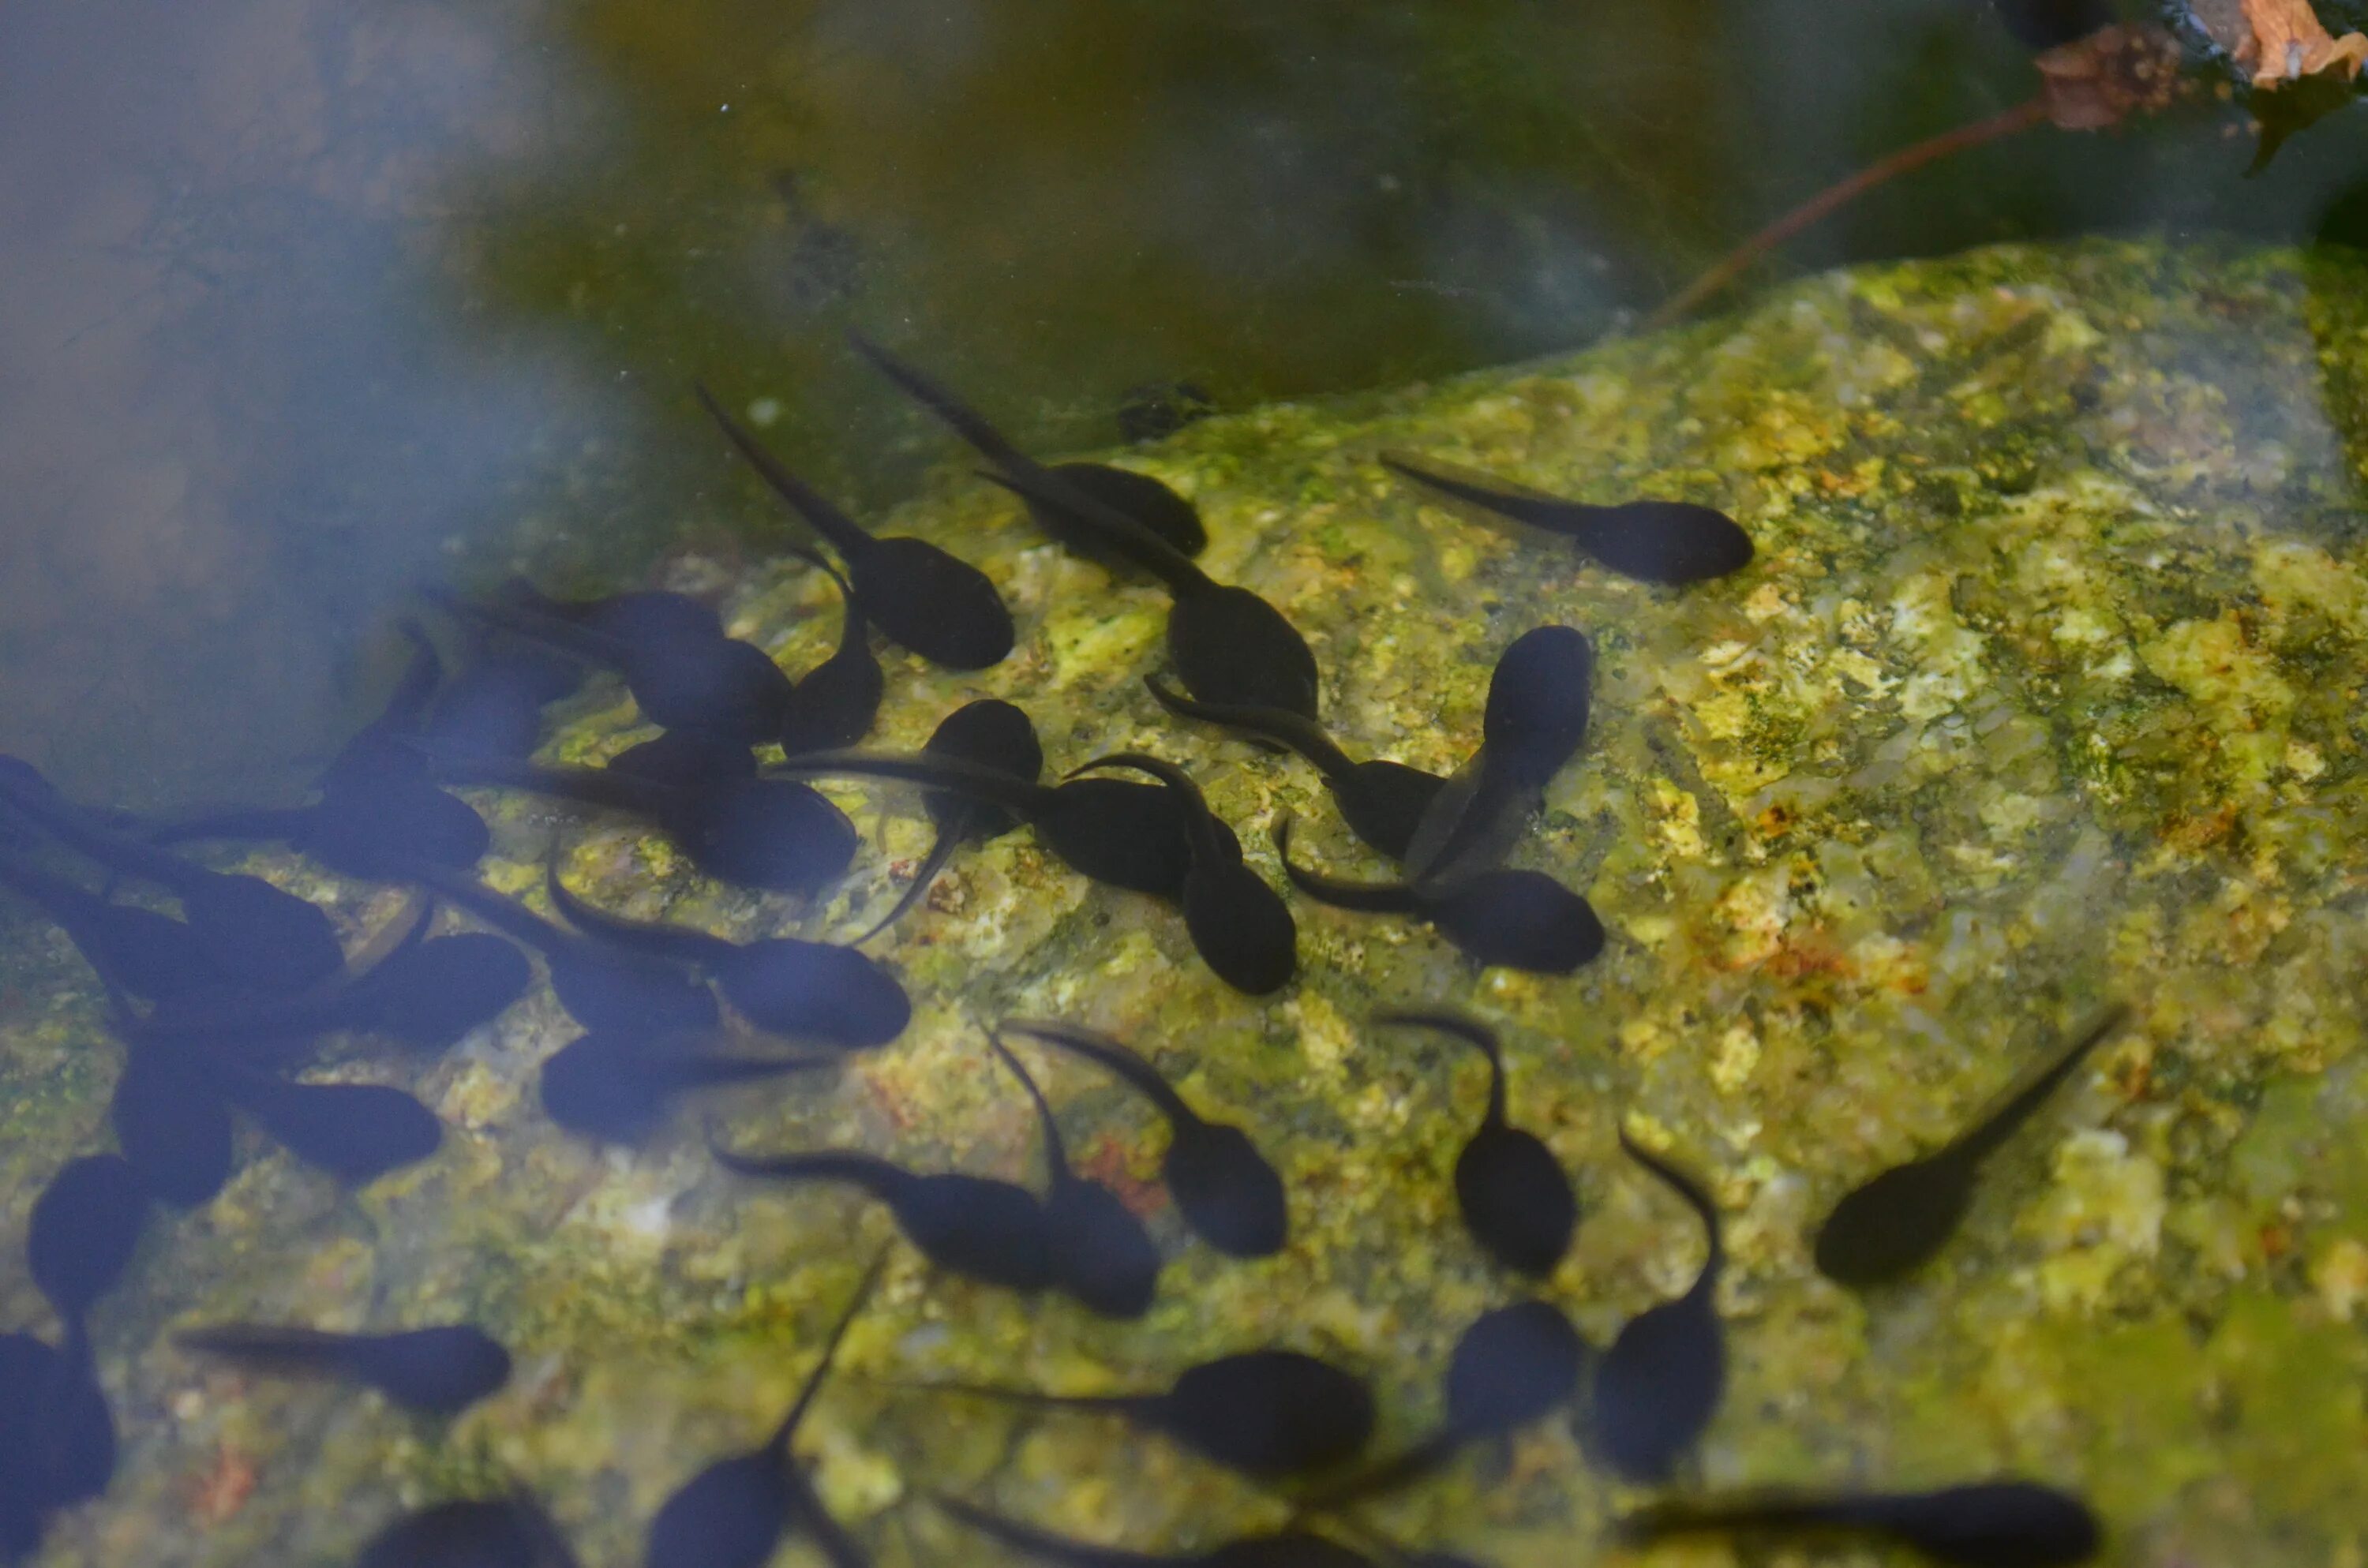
(307, 304)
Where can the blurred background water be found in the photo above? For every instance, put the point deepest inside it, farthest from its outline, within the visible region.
(302, 303)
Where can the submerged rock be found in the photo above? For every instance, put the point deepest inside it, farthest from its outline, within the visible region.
(2043, 687)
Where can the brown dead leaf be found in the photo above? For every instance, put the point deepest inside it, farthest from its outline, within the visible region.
(2284, 41)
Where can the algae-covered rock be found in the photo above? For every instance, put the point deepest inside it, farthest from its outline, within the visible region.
(2042, 689)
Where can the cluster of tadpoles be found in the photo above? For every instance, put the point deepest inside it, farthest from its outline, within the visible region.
(222, 1006)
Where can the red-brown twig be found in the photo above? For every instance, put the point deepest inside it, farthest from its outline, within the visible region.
(2022, 116)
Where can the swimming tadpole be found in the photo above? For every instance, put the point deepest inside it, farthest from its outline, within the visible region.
(488, 1532)
(1382, 801)
(1519, 919)
(1225, 1189)
(1239, 926)
(818, 992)
(81, 1233)
(1516, 1197)
(1988, 1524)
(992, 733)
(1270, 1415)
(1102, 1255)
(1664, 1373)
(621, 1088)
(920, 597)
(1138, 499)
(734, 1513)
(439, 1370)
(1892, 1225)
(140, 951)
(990, 1231)
(1653, 542)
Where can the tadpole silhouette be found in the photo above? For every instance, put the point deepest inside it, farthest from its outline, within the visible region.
(835, 703)
(605, 987)
(139, 952)
(773, 834)
(991, 733)
(1519, 919)
(356, 1132)
(1990, 1524)
(440, 1370)
(1239, 926)
(816, 991)
(1894, 1223)
(1662, 1379)
(920, 597)
(57, 1437)
(1102, 1254)
(1382, 801)
(491, 1533)
(252, 932)
(1534, 720)
(734, 1513)
(985, 1230)
(1109, 830)
(1516, 1197)
(1139, 500)
(1283, 1548)
(619, 1088)
(1269, 1414)
(82, 1232)
(1653, 542)
(1225, 1189)
(173, 1128)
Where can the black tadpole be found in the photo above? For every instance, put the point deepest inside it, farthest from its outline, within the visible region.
(1284, 1549)
(1516, 1197)
(1109, 830)
(172, 1127)
(1892, 1225)
(815, 991)
(992, 733)
(985, 1230)
(1101, 1254)
(619, 1088)
(1519, 919)
(1224, 1188)
(436, 1371)
(1511, 1366)
(1653, 542)
(140, 951)
(770, 833)
(1382, 801)
(1138, 499)
(921, 598)
(356, 1132)
(734, 1513)
(1270, 1415)
(1665, 1372)
(1988, 1524)
(252, 932)
(1229, 645)
(491, 1532)
(57, 1437)
(603, 987)
(1239, 926)
(834, 703)
(81, 1233)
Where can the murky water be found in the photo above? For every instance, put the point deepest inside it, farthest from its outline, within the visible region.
(2037, 693)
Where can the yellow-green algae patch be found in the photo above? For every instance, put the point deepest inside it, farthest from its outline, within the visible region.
(2044, 688)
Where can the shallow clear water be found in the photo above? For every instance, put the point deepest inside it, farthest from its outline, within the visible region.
(2040, 690)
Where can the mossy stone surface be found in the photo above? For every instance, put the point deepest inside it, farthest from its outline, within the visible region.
(2044, 688)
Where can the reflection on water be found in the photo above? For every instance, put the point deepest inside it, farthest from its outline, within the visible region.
(302, 303)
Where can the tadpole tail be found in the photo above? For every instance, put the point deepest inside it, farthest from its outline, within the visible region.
(824, 517)
(942, 851)
(950, 774)
(1138, 1073)
(1696, 1198)
(873, 1174)
(2020, 1102)
(1537, 512)
(282, 1348)
(652, 937)
(1371, 898)
(1056, 1154)
(939, 400)
(779, 1441)
(1390, 1474)
(1281, 725)
(1040, 486)
(1465, 1027)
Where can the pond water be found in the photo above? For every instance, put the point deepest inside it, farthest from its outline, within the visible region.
(1998, 670)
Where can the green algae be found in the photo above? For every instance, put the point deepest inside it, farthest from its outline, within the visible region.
(2041, 688)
